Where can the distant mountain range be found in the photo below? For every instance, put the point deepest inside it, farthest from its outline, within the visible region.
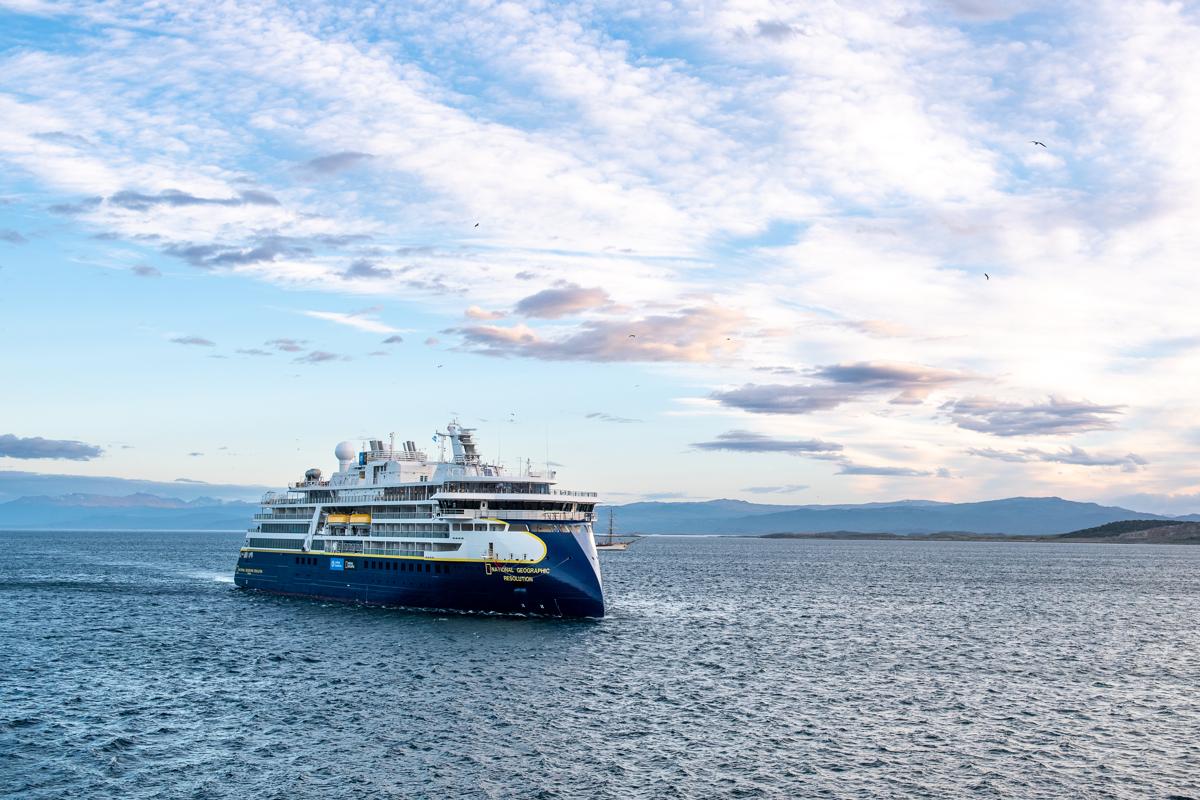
(15, 484)
(1129, 531)
(1014, 515)
(138, 511)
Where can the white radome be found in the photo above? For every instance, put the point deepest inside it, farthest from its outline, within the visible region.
(345, 451)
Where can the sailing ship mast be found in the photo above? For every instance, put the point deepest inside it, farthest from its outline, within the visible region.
(611, 543)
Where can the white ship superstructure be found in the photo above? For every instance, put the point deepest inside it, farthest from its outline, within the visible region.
(394, 509)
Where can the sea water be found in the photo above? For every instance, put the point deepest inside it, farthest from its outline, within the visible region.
(131, 667)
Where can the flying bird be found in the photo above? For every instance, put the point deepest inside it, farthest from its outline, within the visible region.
(985, 275)
(476, 224)
(633, 336)
(1039, 144)
(439, 366)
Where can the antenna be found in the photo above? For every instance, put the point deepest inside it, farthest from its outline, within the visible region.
(547, 449)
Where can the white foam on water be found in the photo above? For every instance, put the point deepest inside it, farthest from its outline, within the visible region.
(219, 577)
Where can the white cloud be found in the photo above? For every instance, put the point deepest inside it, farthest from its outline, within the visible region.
(893, 138)
(358, 320)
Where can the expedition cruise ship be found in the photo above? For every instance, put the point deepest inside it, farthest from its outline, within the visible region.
(393, 527)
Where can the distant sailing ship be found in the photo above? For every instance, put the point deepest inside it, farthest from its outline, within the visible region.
(612, 543)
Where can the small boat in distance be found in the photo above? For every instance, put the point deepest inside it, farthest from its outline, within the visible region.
(612, 543)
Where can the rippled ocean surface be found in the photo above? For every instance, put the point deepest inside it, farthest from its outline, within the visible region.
(131, 667)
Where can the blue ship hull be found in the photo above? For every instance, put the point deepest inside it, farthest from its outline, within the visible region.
(563, 584)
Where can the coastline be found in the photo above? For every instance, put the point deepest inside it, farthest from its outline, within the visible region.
(1114, 533)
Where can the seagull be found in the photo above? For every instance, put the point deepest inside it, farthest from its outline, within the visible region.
(633, 336)
(439, 366)
(1039, 144)
(985, 275)
(477, 224)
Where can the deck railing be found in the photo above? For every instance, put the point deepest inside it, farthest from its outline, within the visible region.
(401, 515)
(500, 513)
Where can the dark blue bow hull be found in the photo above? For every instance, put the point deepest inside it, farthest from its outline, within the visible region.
(563, 584)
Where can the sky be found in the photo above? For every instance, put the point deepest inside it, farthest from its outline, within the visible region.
(829, 252)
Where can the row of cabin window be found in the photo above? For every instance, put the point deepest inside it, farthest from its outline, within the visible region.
(275, 544)
(385, 529)
(393, 566)
(504, 487)
(406, 566)
(269, 526)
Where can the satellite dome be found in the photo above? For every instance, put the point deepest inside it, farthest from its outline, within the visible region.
(345, 451)
(313, 474)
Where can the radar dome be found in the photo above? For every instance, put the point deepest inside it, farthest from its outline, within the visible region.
(345, 451)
